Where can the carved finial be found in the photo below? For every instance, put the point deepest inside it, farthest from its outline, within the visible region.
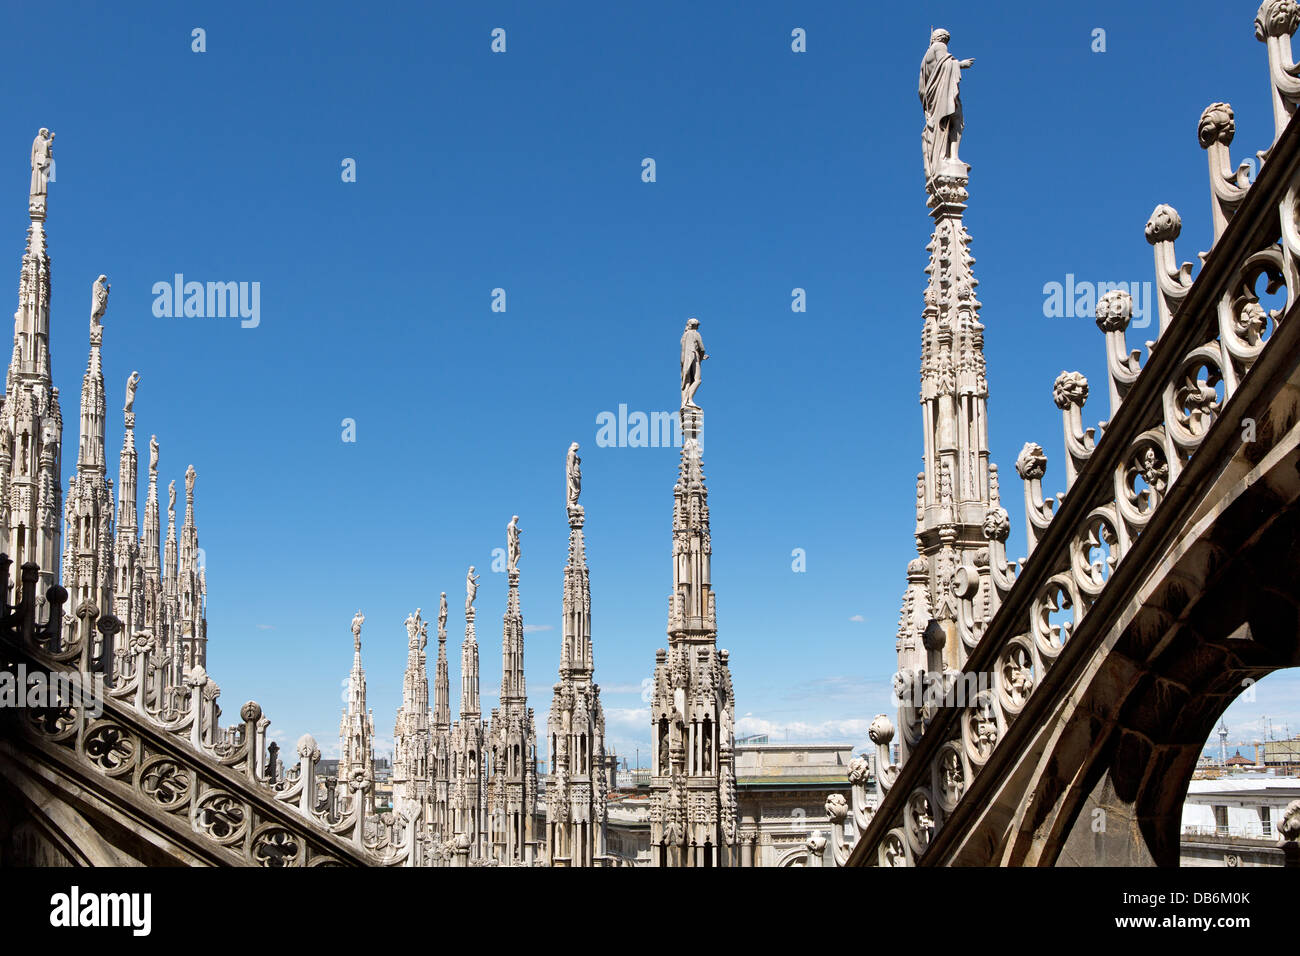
(997, 524)
(1164, 225)
(1217, 125)
(1070, 388)
(1031, 462)
(1276, 18)
(1114, 310)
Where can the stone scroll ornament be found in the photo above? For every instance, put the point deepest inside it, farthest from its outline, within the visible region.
(939, 88)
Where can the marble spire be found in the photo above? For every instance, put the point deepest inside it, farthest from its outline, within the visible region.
(88, 509)
(31, 423)
(357, 731)
(411, 738)
(693, 786)
(957, 500)
(576, 809)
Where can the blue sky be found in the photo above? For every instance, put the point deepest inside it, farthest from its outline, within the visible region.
(522, 171)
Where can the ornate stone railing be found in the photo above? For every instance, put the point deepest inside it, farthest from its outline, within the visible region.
(1171, 419)
(217, 794)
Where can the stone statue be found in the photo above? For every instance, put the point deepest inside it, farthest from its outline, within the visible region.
(512, 545)
(42, 158)
(99, 300)
(941, 100)
(357, 620)
(692, 355)
(190, 475)
(573, 474)
(442, 613)
(131, 384)
(413, 627)
(153, 454)
(424, 631)
(471, 589)
(171, 496)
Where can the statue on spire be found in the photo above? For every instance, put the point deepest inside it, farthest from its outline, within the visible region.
(471, 589)
(413, 627)
(190, 475)
(171, 500)
(98, 306)
(941, 99)
(131, 384)
(153, 454)
(42, 163)
(573, 475)
(357, 620)
(442, 613)
(512, 545)
(693, 355)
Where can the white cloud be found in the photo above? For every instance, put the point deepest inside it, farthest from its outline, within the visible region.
(628, 715)
(266, 627)
(857, 619)
(851, 730)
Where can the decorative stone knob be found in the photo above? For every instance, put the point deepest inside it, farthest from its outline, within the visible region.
(881, 731)
(1276, 18)
(1164, 225)
(1070, 388)
(1217, 125)
(1031, 463)
(837, 808)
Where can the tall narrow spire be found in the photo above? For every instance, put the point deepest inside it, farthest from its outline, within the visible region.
(126, 546)
(411, 741)
(441, 732)
(692, 710)
(512, 785)
(469, 682)
(957, 488)
(357, 730)
(467, 741)
(576, 810)
(191, 586)
(31, 424)
(88, 511)
(441, 691)
(512, 631)
(171, 590)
